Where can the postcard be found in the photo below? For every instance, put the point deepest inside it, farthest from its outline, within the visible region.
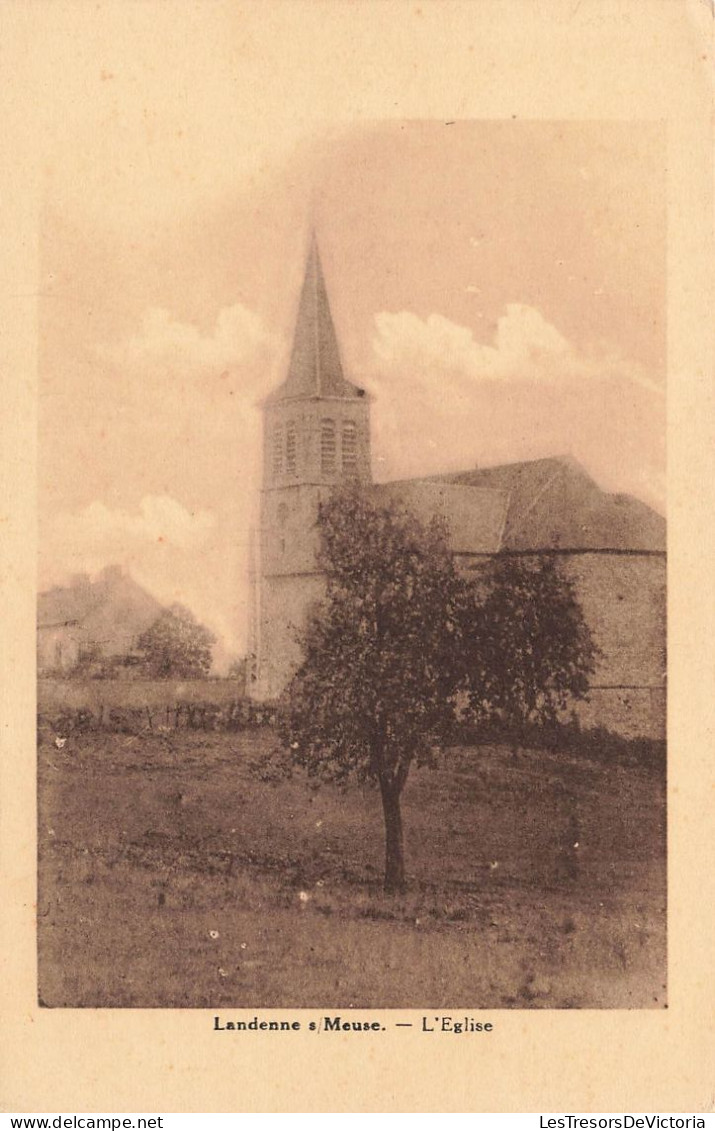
(356, 605)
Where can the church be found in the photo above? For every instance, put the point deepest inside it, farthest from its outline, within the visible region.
(317, 436)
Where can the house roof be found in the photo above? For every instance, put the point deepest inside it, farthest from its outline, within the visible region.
(61, 606)
(553, 504)
(108, 611)
(315, 368)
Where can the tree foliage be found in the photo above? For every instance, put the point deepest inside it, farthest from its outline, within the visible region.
(529, 648)
(382, 655)
(176, 646)
(402, 643)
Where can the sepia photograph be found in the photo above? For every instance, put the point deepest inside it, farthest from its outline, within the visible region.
(355, 542)
(351, 621)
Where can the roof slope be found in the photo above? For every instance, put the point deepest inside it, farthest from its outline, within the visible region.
(555, 504)
(315, 368)
(474, 516)
(110, 612)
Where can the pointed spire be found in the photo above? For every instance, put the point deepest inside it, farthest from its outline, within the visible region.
(315, 368)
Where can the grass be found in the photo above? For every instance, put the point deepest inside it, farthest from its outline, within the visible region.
(173, 875)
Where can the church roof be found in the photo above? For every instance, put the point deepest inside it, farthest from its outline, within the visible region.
(554, 504)
(315, 368)
(474, 516)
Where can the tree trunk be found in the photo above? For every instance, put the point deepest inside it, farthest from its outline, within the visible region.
(394, 856)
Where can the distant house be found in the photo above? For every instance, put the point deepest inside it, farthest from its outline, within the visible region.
(58, 646)
(91, 621)
(317, 436)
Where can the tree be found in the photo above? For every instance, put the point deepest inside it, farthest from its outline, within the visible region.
(382, 656)
(176, 646)
(529, 648)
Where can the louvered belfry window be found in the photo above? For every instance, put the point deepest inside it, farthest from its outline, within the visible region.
(291, 449)
(327, 447)
(349, 450)
(277, 450)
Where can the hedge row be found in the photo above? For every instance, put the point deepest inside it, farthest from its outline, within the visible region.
(237, 715)
(242, 714)
(569, 737)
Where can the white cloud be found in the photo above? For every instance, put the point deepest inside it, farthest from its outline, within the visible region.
(166, 346)
(522, 336)
(526, 347)
(527, 394)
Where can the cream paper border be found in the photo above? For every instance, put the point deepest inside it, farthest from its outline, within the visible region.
(580, 59)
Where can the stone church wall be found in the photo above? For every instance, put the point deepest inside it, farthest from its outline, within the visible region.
(623, 597)
(624, 601)
(285, 603)
(637, 712)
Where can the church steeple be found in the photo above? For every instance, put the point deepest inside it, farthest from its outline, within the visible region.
(315, 368)
(316, 424)
(316, 438)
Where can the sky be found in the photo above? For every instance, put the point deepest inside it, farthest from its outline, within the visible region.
(498, 286)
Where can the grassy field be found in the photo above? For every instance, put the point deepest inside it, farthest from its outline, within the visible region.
(172, 874)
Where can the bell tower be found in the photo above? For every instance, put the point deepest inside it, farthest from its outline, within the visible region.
(316, 436)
